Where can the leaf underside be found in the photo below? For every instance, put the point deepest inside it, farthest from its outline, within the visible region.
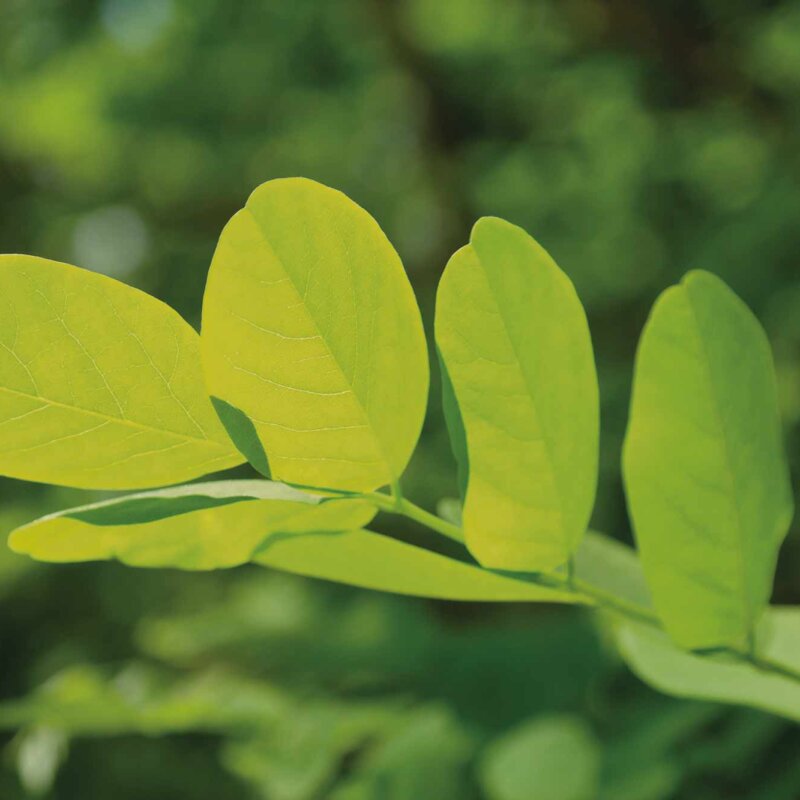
(193, 531)
(655, 660)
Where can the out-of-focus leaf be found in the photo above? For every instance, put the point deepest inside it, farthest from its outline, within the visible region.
(83, 701)
(373, 561)
(516, 347)
(556, 757)
(652, 656)
(209, 538)
(301, 755)
(705, 473)
(100, 384)
(312, 332)
(424, 758)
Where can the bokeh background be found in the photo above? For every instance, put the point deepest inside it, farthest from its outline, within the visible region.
(635, 140)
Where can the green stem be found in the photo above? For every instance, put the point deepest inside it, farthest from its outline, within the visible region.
(397, 504)
(595, 595)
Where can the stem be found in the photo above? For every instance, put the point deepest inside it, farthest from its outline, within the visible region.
(397, 504)
(568, 581)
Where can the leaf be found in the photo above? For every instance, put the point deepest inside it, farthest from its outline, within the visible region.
(211, 537)
(82, 701)
(174, 500)
(556, 757)
(516, 346)
(311, 330)
(370, 560)
(655, 660)
(706, 478)
(100, 384)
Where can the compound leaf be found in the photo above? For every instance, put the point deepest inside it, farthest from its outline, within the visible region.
(100, 384)
(224, 532)
(705, 473)
(311, 331)
(517, 351)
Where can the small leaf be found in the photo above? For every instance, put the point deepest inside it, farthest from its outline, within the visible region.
(655, 660)
(705, 473)
(516, 347)
(554, 757)
(311, 330)
(211, 537)
(100, 384)
(370, 560)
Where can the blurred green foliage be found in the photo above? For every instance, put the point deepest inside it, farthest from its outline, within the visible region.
(634, 140)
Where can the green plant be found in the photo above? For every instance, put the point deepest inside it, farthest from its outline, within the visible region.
(314, 359)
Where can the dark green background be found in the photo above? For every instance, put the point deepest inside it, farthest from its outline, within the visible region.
(635, 140)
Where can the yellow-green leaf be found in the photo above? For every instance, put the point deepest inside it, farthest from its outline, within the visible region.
(515, 342)
(706, 477)
(218, 536)
(100, 384)
(312, 339)
(370, 560)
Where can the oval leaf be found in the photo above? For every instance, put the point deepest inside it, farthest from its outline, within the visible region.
(706, 478)
(100, 384)
(516, 346)
(553, 756)
(311, 331)
(208, 538)
(372, 561)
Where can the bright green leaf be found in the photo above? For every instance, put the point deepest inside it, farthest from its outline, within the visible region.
(515, 341)
(100, 384)
(311, 331)
(705, 473)
(554, 757)
(209, 537)
(373, 561)
(658, 662)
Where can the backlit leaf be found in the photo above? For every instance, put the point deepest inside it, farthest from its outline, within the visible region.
(705, 473)
(209, 537)
(516, 346)
(100, 384)
(174, 500)
(311, 331)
